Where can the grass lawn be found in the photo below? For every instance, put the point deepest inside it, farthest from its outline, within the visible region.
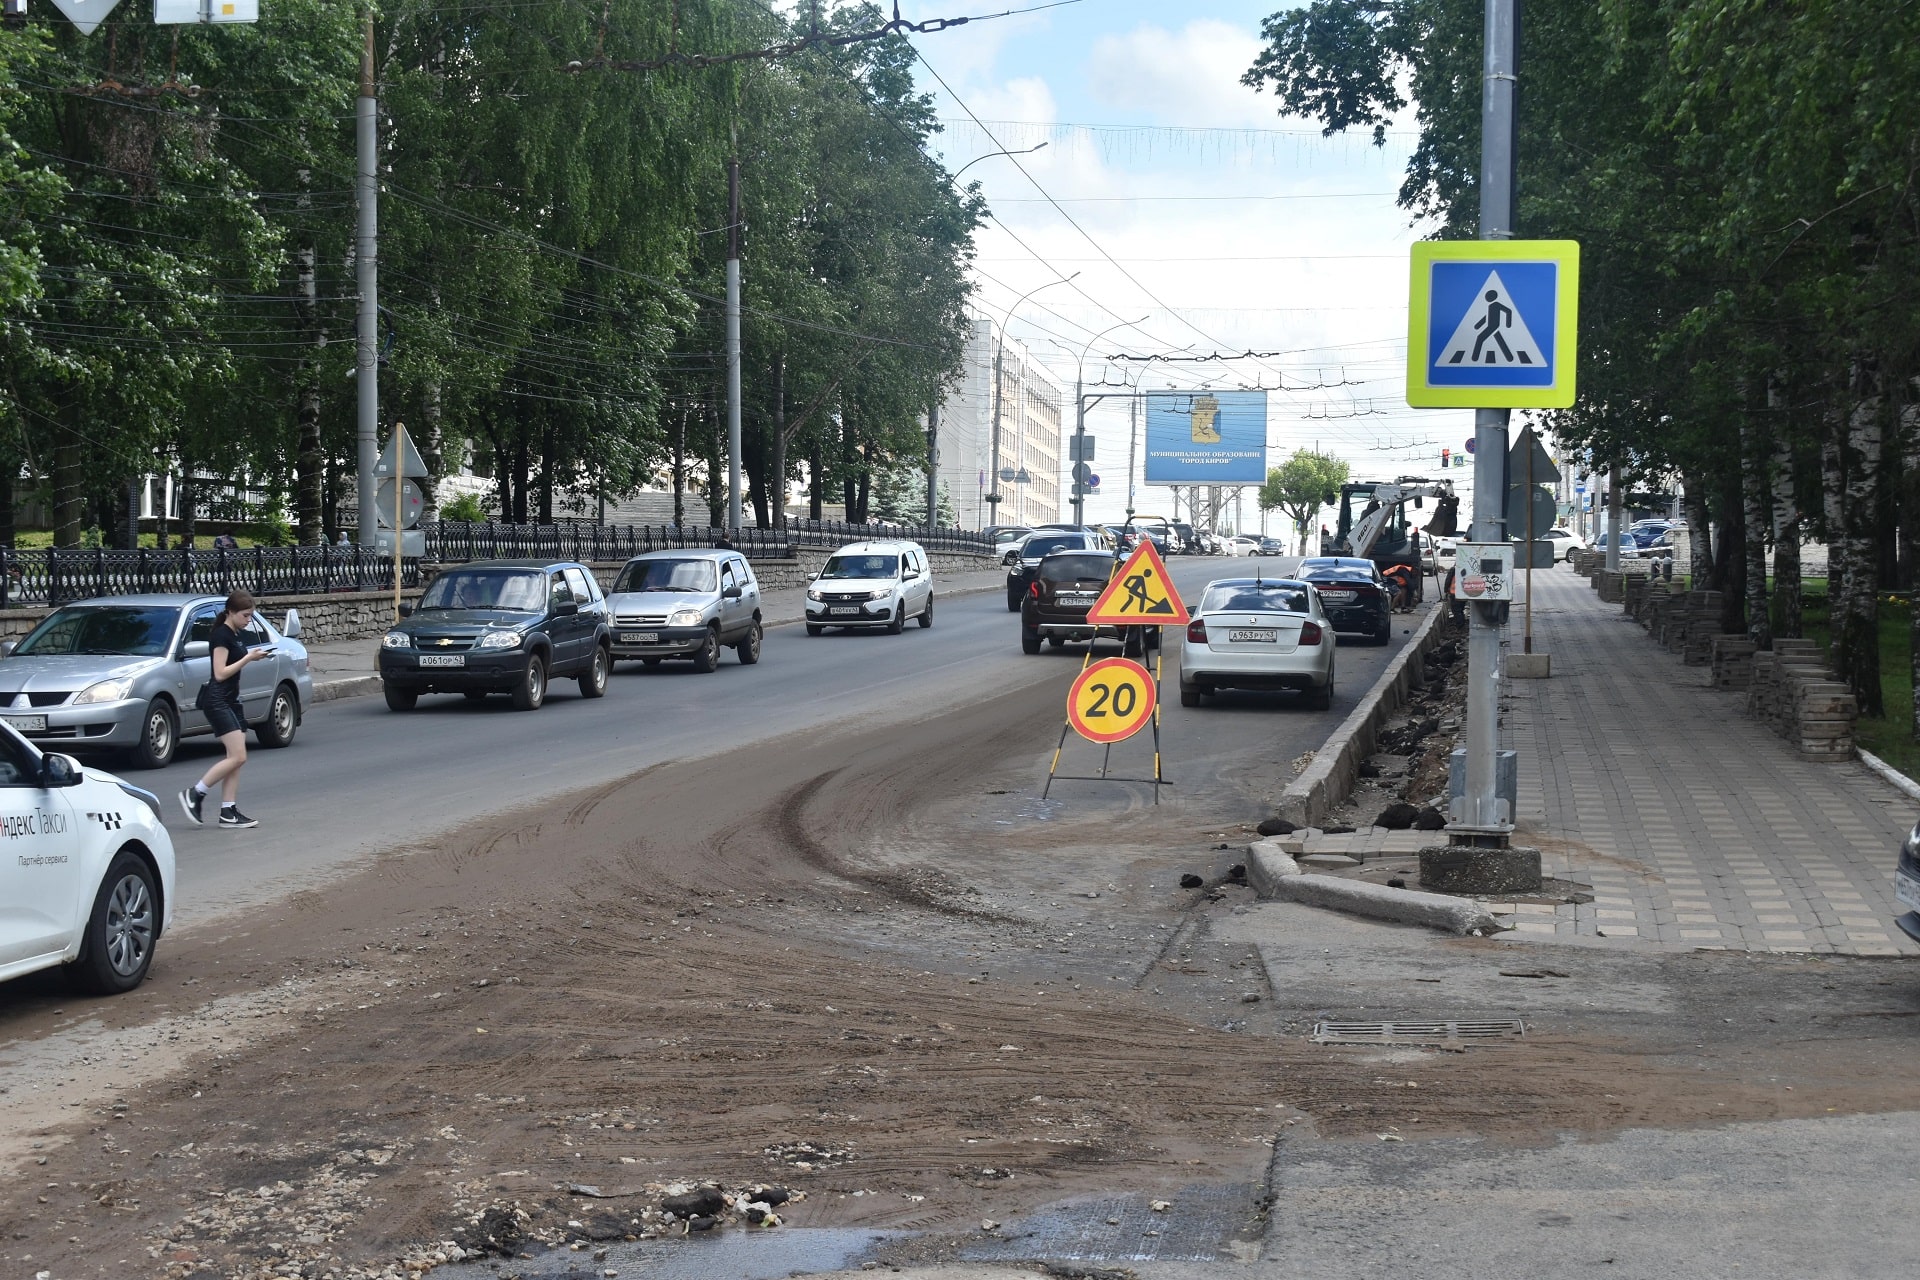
(1891, 736)
(41, 539)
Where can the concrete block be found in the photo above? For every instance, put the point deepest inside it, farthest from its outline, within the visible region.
(1529, 666)
(1382, 902)
(1267, 866)
(1473, 869)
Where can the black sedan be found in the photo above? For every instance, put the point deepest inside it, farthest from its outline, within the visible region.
(1352, 593)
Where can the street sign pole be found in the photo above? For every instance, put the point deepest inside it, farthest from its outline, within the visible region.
(1482, 819)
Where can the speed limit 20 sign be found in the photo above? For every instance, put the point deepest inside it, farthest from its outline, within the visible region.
(1111, 700)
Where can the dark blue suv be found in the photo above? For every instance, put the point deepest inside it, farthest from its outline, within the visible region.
(500, 626)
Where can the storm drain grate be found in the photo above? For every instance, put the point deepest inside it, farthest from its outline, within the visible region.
(1417, 1032)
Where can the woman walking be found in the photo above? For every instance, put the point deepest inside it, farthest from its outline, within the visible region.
(220, 700)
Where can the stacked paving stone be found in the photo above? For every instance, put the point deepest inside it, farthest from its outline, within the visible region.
(1696, 646)
(1793, 692)
(1638, 589)
(1733, 661)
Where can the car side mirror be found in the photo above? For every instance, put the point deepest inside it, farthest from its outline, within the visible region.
(731, 593)
(291, 627)
(7, 647)
(59, 771)
(813, 577)
(565, 608)
(194, 649)
(406, 608)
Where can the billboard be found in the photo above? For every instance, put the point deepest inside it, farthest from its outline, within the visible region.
(1206, 437)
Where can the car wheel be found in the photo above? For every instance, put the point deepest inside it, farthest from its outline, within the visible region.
(1189, 697)
(707, 657)
(899, 621)
(1321, 699)
(1013, 600)
(593, 681)
(118, 945)
(283, 718)
(814, 629)
(401, 699)
(748, 650)
(926, 615)
(159, 736)
(531, 691)
(474, 695)
(1029, 640)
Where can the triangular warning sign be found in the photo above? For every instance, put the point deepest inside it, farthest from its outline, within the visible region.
(1492, 334)
(400, 457)
(1140, 595)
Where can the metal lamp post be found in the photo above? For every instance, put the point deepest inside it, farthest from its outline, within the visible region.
(989, 156)
(1079, 451)
(999, 351)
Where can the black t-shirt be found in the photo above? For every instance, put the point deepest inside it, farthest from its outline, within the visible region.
(223, 637)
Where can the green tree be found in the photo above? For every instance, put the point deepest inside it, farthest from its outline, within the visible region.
(1301, 486)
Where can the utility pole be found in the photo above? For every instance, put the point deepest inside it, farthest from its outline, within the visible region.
(1485, 819)
(1613, 518)
(1133, 444)
(733, 345)
(933, 464)
(366, 249)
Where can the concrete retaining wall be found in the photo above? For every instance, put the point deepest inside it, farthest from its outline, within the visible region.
(1329, 780)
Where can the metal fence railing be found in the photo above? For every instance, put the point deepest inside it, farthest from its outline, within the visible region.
(42, 577)
(49, 577)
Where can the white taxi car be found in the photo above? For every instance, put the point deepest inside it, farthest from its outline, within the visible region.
(1258, 633)
(86, 870)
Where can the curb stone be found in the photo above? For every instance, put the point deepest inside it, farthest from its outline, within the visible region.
(1276, 876)
(1329, 780)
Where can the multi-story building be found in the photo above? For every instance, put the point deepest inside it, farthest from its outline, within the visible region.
(1030, 435)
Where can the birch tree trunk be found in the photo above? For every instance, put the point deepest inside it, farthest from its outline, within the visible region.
(1756, 506)
(309, 454)
(1856, 610)
(1786, 527)
(1699, 530)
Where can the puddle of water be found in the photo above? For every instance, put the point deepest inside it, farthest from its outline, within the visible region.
(722, 1255)
(1201, 1224)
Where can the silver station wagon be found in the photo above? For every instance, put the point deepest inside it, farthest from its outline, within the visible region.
(122, 673)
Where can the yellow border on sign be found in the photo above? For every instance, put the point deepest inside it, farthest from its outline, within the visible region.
(1422, 395)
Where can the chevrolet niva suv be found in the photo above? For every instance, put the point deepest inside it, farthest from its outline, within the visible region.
(500, 626)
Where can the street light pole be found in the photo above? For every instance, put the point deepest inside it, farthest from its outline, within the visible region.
(1078, 454)
(990, 155)
(366, 362)
(999, 351)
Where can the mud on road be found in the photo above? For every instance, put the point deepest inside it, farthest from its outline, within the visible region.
(871, 969)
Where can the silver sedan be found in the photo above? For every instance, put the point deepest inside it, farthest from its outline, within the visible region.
(1258, 633)
(123, 673)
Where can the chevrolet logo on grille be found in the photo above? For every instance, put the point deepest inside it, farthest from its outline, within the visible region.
(443, 641)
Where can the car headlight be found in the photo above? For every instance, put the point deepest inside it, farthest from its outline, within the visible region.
(813, 593)
(499, 640)
(396, 640)
(105, 691)
(685, 618)
(881, 594)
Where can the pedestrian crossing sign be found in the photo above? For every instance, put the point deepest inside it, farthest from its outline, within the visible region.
(1492, 324)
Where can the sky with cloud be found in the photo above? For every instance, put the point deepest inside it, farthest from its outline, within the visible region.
(1196, 217)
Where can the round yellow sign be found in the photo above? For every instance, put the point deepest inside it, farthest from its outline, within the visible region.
(1111, 700)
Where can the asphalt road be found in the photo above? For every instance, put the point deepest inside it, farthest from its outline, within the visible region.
(361, 781)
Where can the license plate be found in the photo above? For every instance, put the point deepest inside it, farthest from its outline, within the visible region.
(639, 637)
(1337, 597)
(838, 611)
(443, 659)
(1907, 889)
(1076, 597)
(28, 724)
(1254, 635)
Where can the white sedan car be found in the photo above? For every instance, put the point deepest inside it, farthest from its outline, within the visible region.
(1258, 633)
(1240, 545)
(86, 870)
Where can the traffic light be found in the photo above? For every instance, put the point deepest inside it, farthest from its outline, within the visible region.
(1446, 459)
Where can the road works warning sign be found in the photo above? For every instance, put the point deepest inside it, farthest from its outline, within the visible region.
(1140, 595)
(1492, 324)
(1111, 700)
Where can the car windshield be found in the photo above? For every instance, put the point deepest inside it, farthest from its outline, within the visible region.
(1340, 573)
(666, 575)
(1260, 597)
(129, 630)
(514, 590)
(862, 566)
(1045, 544)
(1009, 535)
(1074, 568)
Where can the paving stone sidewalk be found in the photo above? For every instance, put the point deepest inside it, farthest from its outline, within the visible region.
(1695, 825)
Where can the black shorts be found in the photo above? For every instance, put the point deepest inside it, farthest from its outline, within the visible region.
(224, 717)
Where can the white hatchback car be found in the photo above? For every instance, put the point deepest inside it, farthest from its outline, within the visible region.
(86, 870)
(1255, 633)
(871, 584)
